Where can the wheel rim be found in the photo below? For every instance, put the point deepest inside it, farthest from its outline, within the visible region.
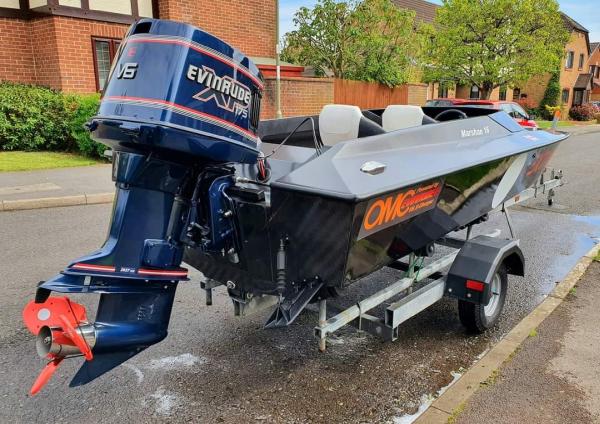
(490, 309)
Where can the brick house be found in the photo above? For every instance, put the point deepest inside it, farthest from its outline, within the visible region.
(594, 70)
(575, 74)
(69, 44)
(578, 82)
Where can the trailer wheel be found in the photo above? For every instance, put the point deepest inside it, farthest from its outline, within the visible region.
(478, 318)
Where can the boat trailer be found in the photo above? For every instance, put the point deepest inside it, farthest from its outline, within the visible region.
(415, 301)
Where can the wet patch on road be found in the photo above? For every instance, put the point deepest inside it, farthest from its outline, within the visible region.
(169, 363)
(163, 402)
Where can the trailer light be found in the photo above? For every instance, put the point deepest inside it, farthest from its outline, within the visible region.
(475, 285)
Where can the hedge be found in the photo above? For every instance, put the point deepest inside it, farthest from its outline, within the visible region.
(585, 112)
(39, 118)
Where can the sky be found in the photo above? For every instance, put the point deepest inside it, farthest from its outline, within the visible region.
(586, 12)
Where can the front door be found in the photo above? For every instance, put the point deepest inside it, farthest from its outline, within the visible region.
(578, 98)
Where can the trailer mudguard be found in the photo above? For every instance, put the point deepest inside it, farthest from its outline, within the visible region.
(478, 260)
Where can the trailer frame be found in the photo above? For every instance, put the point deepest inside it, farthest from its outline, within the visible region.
(414, 302)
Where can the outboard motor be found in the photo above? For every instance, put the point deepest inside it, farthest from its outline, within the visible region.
(180, 107)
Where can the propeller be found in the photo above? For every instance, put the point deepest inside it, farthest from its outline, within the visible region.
(62, 330)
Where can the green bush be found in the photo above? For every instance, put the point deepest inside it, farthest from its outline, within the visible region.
(33, 118)
(39, 118)
(551, 96)
(84, 106)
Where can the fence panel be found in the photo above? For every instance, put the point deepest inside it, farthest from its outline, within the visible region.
(368, 95)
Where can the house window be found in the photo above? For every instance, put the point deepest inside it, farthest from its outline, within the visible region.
(578, 98)
(517, 94)
(502, 95)
(570, 59)
(565, 95)
(474, 94)
(442, 91)
(104, 50)
(581, 60)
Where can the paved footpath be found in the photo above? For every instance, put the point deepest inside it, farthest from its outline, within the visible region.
(56, 187)
(555, 377)
(55, 182)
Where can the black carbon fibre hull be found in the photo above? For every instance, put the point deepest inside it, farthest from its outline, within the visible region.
(327, 237)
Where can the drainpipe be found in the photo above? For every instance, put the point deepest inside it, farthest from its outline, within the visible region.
(278, 64)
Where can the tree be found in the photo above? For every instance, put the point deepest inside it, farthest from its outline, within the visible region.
(370, 40)
(490, 43)
(551, 95)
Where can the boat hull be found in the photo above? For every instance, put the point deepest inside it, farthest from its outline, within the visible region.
(339, 240)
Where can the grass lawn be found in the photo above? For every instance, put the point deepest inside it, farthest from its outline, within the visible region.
(30, 161)
(548, 124)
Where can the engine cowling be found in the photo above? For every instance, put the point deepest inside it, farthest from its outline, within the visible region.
(178, 89)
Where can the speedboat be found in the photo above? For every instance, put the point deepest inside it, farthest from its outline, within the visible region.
(287, 210)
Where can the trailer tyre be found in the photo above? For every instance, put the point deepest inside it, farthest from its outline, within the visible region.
(477, 318)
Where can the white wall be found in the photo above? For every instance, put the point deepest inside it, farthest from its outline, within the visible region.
(115, 6)
(37, 3)
(12, 4)
(145, 8)
(72, 3)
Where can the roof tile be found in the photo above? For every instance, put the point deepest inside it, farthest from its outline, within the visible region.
(583, 81)
(425, 11)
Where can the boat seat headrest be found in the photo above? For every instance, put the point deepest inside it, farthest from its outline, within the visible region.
(339, 123)
(397, 117)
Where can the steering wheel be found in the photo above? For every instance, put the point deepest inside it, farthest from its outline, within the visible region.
(459, 113)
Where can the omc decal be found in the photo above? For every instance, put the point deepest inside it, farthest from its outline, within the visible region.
(387, 211)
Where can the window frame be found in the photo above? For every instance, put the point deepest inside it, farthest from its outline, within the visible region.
(471, 93)
(503, 93)
(581, 61)
(113, 47)
(516, 94)
(570, 59)
(442, 91)
(578, 101)
(562, 95)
